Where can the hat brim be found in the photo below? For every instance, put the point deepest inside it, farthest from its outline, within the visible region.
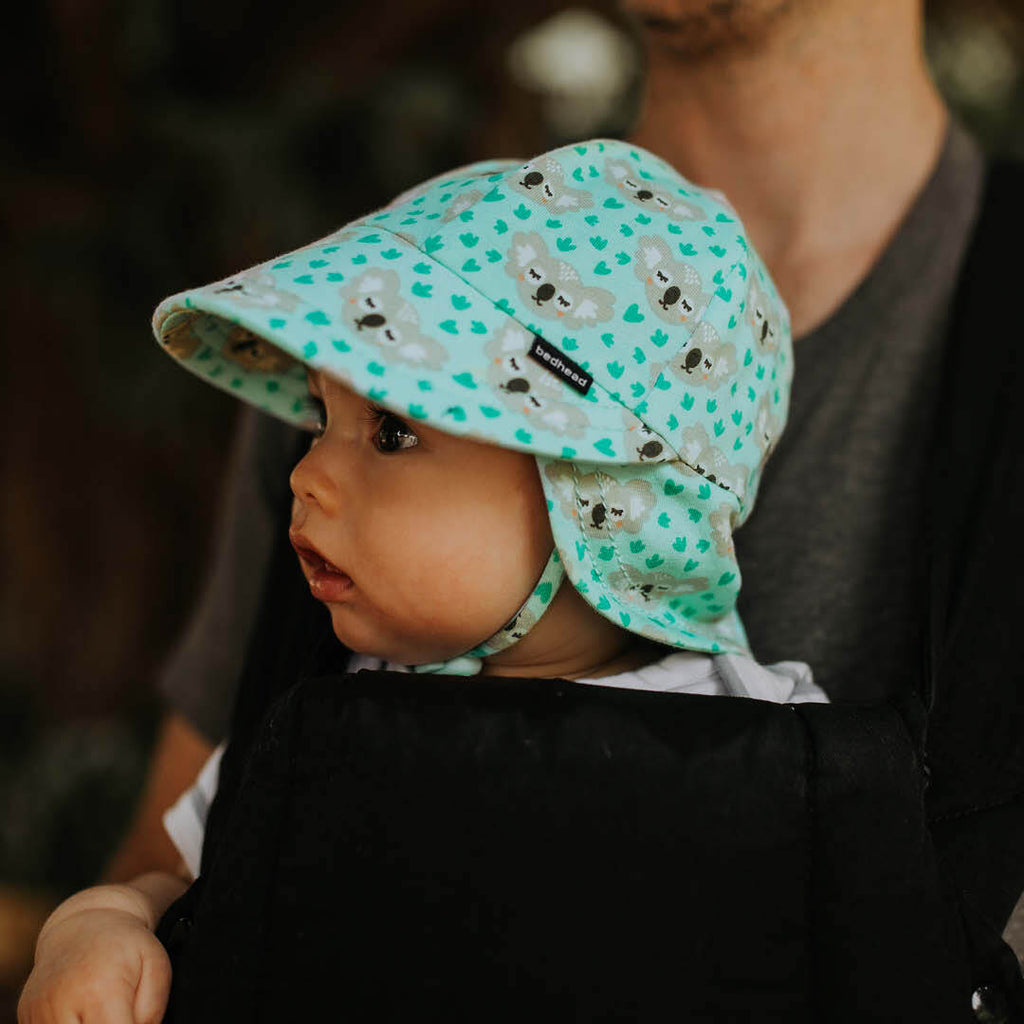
(395, 325)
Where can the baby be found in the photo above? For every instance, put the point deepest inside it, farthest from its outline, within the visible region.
(542, 398)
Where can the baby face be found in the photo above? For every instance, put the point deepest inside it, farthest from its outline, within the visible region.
(420, 544)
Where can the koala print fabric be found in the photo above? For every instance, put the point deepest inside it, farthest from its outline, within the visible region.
(521, 382)
(590, 307)
(542, 181)
(673, 287)
(389, 321)
(553, 286)
(642, 191)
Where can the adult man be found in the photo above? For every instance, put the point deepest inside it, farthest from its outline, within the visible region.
(821, 124)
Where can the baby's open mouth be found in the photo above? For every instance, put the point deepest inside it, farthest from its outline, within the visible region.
(326, 581)
(316, 561)
(310, 555)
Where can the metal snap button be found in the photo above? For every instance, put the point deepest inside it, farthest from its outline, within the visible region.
(990, 1005)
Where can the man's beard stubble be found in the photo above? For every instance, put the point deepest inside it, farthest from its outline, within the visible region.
(699, 29)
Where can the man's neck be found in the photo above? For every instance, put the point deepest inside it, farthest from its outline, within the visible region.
(821, 135)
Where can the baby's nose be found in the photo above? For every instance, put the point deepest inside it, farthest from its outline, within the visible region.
(299, 514)
(312, 482)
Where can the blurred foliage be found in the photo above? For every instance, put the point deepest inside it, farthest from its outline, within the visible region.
(976, 52)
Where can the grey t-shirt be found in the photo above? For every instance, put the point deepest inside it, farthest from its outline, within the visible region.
(826, 556)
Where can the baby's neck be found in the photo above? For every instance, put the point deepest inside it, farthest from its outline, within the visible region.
(637, 655)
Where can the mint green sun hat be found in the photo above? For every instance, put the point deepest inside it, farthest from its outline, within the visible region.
(590, 307)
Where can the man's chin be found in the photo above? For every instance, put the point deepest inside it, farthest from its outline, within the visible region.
(704, 28)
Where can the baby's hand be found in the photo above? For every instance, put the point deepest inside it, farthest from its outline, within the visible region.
(98, 962)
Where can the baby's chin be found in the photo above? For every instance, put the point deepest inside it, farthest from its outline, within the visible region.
(394, 651)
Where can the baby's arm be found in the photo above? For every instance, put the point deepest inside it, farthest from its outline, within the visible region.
(97, 959)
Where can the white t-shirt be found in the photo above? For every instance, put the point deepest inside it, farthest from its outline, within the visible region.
(725, 675)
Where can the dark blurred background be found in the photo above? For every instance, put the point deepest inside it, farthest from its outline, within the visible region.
(154, 144)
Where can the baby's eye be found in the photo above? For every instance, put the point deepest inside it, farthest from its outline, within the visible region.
(393, 435)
